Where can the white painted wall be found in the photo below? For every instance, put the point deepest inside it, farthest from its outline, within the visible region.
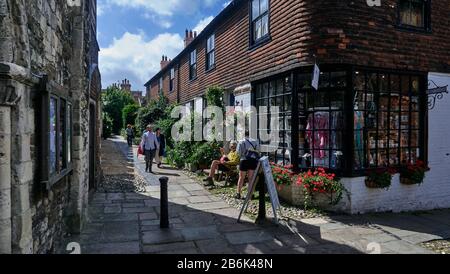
(434, 192)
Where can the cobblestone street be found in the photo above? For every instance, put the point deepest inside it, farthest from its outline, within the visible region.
(127, 220)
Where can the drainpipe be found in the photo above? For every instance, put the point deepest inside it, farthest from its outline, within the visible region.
(5, 179)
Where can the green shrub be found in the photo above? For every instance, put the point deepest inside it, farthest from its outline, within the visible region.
(152, 113)
(114, 101)
(129, 114)
(107, 125)
(205, 153)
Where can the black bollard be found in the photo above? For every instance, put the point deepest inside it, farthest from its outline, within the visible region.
(262, 201)
(164, 210)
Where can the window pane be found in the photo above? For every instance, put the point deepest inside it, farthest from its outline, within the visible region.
(52, 135)
(264, 5)
(62, 135)
(412, 13)
(69, 133)
(265, 25)
(255, 9)
(338, 79)
(359, 80)
(257, 29)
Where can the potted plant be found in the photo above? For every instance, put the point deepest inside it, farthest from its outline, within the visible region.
(319, 182)
(380, 178)
(412, 174)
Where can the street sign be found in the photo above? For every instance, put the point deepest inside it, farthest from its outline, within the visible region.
(263, 169)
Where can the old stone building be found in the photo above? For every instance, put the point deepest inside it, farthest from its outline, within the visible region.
(49, 125)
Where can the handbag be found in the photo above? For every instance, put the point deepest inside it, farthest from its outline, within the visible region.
(252, 154)
(140, 150)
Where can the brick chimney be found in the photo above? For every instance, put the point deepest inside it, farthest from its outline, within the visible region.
(164, 62)
(126, 85)
(189, 37)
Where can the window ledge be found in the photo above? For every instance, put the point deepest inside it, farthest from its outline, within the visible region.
(57, 178)
(208, 70)
(261, 42)
(412, 29)
(193, 79)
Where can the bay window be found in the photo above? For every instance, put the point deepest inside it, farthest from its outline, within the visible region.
(357, 120)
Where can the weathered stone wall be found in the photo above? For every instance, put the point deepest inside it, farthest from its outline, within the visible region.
(36, 38)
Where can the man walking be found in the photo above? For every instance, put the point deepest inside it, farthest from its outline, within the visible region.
(130, 135)
(149, 144)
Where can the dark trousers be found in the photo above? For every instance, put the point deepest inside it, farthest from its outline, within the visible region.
(149, 155)
(130, 140)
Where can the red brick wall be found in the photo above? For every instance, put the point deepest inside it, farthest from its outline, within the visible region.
(354, 33)
(348, 32)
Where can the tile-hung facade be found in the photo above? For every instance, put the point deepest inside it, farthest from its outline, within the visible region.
(371, 107)
(49, 91)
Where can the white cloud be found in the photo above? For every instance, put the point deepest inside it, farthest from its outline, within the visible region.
(226, 3)
(137, 58)
(203, 23)
(164, 7)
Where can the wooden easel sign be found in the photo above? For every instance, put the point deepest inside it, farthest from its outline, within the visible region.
(263, 169)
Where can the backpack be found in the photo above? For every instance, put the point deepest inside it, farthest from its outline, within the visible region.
(252, 154)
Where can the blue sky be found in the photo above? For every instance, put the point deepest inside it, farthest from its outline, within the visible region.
(134, 34)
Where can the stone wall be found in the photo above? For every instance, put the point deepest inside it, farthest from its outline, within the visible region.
(44, 37)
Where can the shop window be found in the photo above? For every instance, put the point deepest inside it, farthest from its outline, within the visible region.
(321, 120)
(56, 137)
(259, 20)
(414, 14)
(276, 93)
(387, 120)
(210, 52)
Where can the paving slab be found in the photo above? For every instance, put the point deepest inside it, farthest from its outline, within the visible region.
(161, 237)
(247, 237)
(168, 247)
(112, 248)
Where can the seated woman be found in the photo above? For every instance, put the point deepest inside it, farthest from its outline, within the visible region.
(226, 163)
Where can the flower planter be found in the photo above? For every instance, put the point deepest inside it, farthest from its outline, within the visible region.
(294, 195)
(371, 184)
(407, 181)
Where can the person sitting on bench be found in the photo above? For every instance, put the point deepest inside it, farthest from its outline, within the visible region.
(226, 163)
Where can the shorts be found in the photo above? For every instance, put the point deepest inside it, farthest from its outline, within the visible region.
(246, 165)
(223, 168)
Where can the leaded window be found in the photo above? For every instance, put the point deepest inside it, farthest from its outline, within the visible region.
(321, 120)
(387, 119)
(275, 93)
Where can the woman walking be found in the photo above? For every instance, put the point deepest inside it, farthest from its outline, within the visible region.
(161, 151)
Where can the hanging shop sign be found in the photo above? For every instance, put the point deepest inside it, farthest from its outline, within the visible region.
(435, 93)
(316, 76)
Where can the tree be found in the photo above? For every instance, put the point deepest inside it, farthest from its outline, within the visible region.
(114, 101)
(129, 114)
(155, 111)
